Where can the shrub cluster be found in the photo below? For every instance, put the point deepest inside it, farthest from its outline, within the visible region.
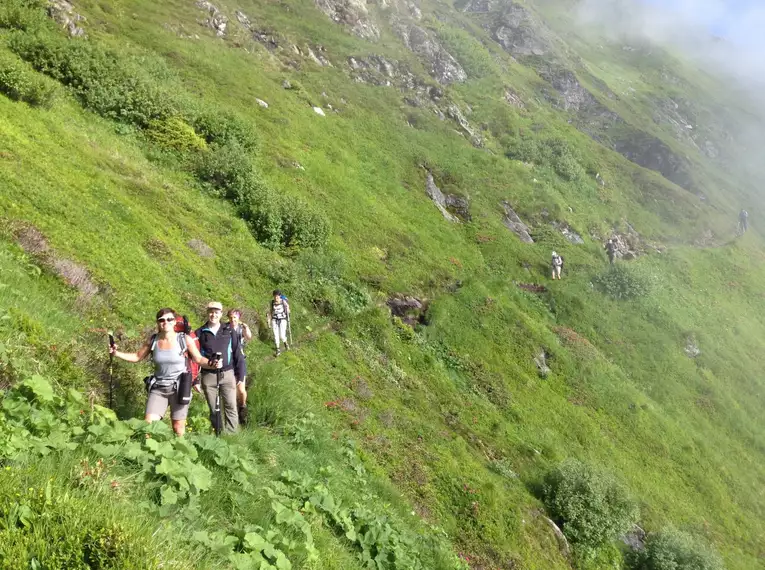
(275, 220)
(174, 133)
(675, 550)
(553, 152)
(593, 507)
(115, 86)
(21, 83)
(21, 14)
(138, 91)
(224, 128)
(622, 282)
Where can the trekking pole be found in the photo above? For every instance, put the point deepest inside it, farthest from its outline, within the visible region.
(111, 370)
(289, 329)
(216, 412)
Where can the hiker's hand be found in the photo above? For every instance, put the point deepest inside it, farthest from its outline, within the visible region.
(198, 387)
(219, 363)
(112, 349)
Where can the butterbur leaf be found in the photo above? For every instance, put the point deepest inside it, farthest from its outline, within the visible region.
(282, 562)
(254, 541)
(104, 450)
(39, 387)
(168, 496)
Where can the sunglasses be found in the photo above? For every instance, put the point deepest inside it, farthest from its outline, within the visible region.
(165, 319)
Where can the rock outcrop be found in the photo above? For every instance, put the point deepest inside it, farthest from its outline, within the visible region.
(353, 14)
(454, 208)
(410, 310)
(514, 223)
(692, 349)
(216, 20)
(454, 113)
(514, 99)
(518, 31)
(649, 152)
(541, 361)
(62, 12)
(442, 66)
(568, 233)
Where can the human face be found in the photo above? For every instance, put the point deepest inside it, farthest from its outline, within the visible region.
(166, 322)
(233, 318)
(213, 316)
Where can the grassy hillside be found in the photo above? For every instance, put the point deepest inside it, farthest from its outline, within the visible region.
(137, 170)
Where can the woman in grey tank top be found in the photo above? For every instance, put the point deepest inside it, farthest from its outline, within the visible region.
(169, 363)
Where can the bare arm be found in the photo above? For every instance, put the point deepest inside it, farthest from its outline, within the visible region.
(142, 353)
(246, 332)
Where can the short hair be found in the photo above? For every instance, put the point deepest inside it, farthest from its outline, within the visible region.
(277, 292)
(232, 311)
(165, 311)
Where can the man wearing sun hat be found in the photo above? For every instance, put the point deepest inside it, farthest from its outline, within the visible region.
(215, 337)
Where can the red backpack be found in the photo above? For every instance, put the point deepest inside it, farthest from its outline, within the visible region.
(182, 326)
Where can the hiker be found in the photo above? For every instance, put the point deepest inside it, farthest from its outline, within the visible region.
(241, 330)
(216, 338)
(743, 221)
(278, 315)
(610, 248)
(169, 350)
(557, 265)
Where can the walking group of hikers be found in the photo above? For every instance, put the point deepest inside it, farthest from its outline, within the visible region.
(210, 359)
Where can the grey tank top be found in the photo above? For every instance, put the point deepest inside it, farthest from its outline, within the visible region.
(168, 364)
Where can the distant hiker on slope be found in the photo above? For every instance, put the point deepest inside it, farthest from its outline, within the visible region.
(241, 330)
(743, 222)
(279, 315)
(168, 386)
(219, 381)
(557, 265)
(610, 248)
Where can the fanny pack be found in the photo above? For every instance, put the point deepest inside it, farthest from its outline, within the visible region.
(182, 386)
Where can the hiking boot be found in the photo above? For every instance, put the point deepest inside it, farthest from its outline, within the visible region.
(243, 414)
(286, 346)
(278, 351)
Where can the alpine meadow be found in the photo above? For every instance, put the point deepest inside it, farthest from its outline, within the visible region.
(402, 171)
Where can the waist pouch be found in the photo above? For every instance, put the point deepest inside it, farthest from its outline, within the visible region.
(184, 388)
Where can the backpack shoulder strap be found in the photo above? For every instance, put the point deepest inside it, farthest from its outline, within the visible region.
(182, 342)
(153, 343)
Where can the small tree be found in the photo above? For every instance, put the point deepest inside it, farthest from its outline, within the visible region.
(592, 507)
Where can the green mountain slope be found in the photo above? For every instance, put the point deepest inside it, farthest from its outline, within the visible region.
(175, 152)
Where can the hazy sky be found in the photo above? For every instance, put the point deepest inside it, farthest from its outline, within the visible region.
(690, 25)
(740, 21)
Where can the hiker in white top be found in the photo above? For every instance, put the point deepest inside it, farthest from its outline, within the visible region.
(557, 265)
(278, 315)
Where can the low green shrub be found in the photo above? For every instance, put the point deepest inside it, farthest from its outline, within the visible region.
(20, 82)
(676, 550)
(114, 85)
(555, 153)
(22, 14)
(592, 507)
(275, 220)
(228, 169)
(623, 282)
(225, 128)
(174, 133)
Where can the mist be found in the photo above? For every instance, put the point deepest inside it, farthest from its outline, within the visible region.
(724, 37)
